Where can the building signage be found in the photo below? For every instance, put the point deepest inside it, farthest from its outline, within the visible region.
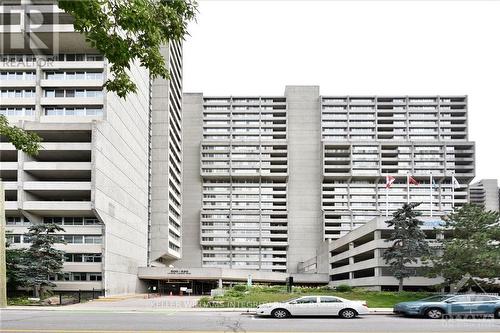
(180, 272)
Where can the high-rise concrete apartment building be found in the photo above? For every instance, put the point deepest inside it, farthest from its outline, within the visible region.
(197, 189)
(110, 169)
(270, 178)
(365, 139)
(485, 193)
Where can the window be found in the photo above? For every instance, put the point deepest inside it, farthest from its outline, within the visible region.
(71, 75)
(459, 299)
(55, 220)
(95, 276)
(95, 257)
(74, 111)
(17, 111)
(79, 276)
(83, 257)
(77, 239)
(14, 239)
(329, 299)
(477, 298)
(17, 75)
(92, 57)
(93, 239)
(91, 221)
(306, 300)
(17, 220)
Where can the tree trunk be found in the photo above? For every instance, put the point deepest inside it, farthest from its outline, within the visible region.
(36, 292)
(400, 285)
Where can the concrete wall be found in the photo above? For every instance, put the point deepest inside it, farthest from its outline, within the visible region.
(192, 184)
(485, 193)
(163, 273)
(120, 185)
(304, 180)
(159, 166)
(491, 201)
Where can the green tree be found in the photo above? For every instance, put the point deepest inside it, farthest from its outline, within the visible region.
(408, 242)
(472, 248)
(27, 142)
(30, 144)
(41, 260)
(13, 260)
(129, 31)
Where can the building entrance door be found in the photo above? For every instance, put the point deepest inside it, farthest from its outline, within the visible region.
(173, 287)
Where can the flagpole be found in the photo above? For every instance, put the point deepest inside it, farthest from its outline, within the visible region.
(452, 193)
(430, 187)
(407, 188)
(386, 196)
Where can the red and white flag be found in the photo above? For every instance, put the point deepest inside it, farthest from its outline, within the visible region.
(412, 180)
(389, 180)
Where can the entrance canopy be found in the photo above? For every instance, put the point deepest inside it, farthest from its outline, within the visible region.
(215, 274)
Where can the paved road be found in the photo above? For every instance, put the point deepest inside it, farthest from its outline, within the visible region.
(177, 321)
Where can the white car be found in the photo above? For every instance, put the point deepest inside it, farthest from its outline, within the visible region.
(314, 306)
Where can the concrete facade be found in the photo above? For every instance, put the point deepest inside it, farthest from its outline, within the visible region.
(366, 138)
(314, 167)
(304, 177)
(93, 175)
(485, 193)
(356, 259)
(193, 117)
(166, 161)
(225, 186)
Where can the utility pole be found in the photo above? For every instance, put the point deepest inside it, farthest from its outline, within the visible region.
(3, 268)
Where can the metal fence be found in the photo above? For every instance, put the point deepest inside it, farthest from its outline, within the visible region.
(73, 297)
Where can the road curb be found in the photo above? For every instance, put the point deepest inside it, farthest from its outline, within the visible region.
(152, 310)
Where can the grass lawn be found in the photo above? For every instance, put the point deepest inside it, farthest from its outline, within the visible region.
(236, 297)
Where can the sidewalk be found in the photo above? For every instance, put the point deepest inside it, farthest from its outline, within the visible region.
(111, 308)
(140, 303)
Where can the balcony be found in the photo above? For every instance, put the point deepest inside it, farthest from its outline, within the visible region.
(49, 190)
(58, 208)
(59, 170)
(17, 83)
(16, 101)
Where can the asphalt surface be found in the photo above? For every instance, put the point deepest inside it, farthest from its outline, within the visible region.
(182, 321)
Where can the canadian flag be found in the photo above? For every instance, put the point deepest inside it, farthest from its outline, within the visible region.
(389, 180)
(412, 180)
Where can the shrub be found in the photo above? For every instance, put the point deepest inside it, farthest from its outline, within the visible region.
(240, 287)
(343, 288)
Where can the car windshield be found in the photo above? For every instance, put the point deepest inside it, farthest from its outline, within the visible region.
(438, 298)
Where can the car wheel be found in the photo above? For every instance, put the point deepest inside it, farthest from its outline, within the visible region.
(348, 313)
(280, 313)
(434, 313)
(497, 314)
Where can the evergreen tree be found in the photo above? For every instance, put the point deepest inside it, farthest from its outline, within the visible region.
(472, 248)
(408, 242)
(12, 261)
(41, 259)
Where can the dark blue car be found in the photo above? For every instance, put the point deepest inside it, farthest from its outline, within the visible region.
(436, 307)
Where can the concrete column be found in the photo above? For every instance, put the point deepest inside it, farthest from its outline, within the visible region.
(351, 260)
(304, 174)
(192, 114)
